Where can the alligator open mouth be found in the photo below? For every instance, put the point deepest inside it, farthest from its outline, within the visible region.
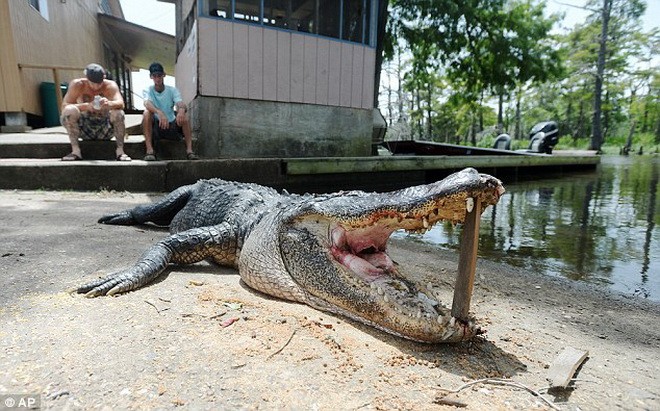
(362, 251)
(365, 283)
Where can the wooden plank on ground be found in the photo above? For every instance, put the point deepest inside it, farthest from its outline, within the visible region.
(563, 368)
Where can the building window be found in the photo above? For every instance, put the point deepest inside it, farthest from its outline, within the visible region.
(220, 8)
(330, 18)
(41, 6)
(349, 20)
(248, 10)
(356, 18)
(187, 28)
(105, 7)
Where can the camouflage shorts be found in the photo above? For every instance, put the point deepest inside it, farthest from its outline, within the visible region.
(94, 127)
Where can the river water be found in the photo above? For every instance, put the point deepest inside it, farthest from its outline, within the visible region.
(599, 227)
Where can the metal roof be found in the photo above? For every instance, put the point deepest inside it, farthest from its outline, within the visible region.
(140, 45)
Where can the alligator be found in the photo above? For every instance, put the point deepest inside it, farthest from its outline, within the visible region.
(325, 250)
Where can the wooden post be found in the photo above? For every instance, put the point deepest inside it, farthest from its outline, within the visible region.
(20, 76)
(58, 90)
(467, 261)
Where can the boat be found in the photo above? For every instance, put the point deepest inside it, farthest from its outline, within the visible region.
(430, 148)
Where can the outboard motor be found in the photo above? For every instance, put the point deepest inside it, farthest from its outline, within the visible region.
(502, 142)
(544, 137)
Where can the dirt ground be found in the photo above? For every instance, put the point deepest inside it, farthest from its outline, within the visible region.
(200, 339)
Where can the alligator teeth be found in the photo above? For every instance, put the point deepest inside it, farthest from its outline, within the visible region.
(448, 332)
(469, 204)
(425, 222)
(425, 298)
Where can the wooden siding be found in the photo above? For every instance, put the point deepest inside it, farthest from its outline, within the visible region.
(10, 83)
(31, 39)
(186, 68)
(252, 62)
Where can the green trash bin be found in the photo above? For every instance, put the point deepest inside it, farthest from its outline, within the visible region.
(49, 103)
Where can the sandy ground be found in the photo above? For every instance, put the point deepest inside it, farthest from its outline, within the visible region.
(200, 339)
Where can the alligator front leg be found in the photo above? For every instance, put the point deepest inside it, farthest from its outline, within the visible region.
(217, 242)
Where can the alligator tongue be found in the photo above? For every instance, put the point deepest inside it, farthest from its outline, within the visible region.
(361, 251)
(378, 259)
(363, 268)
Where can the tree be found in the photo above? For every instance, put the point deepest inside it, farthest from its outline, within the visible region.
(526, 52)
(626, 102)
(615, 16)
(381, 44)
(468, 56)
(481, 45)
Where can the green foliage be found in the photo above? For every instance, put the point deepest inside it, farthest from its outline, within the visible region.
(569, 143)
(613, 144)
(457, 59)
(480, 44)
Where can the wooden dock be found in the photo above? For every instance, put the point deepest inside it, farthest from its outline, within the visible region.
(32, 161)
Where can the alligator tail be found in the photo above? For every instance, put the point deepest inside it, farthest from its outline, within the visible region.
(160, 213)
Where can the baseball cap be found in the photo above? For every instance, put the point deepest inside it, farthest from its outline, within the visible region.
(95, 73)
(156, 68)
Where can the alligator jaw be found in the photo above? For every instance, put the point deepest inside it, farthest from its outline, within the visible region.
(336, 250)
(359, 280)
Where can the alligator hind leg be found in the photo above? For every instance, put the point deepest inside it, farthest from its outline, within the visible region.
(160, 213)
(187, 247)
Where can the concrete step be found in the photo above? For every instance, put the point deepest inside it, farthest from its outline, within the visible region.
(55, 146)
(53, 143)
(136, 175)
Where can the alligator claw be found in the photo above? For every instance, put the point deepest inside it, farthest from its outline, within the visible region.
(123, 218)
(110, 285)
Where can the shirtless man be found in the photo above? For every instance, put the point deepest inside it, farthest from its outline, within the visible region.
(88, 118)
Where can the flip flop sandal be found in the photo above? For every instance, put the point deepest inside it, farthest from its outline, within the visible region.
(71, 157)
(123, 157)
(150, 157)
(192, 156)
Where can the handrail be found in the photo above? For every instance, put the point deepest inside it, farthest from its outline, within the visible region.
(56, 78)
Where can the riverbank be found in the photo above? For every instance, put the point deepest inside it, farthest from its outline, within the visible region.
(200, 338)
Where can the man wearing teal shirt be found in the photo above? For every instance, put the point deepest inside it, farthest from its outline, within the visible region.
(159, 120)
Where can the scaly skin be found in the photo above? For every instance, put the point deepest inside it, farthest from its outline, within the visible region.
(328, 251)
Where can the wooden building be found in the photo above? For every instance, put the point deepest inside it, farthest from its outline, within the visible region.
(51, 41)
(280, 78)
